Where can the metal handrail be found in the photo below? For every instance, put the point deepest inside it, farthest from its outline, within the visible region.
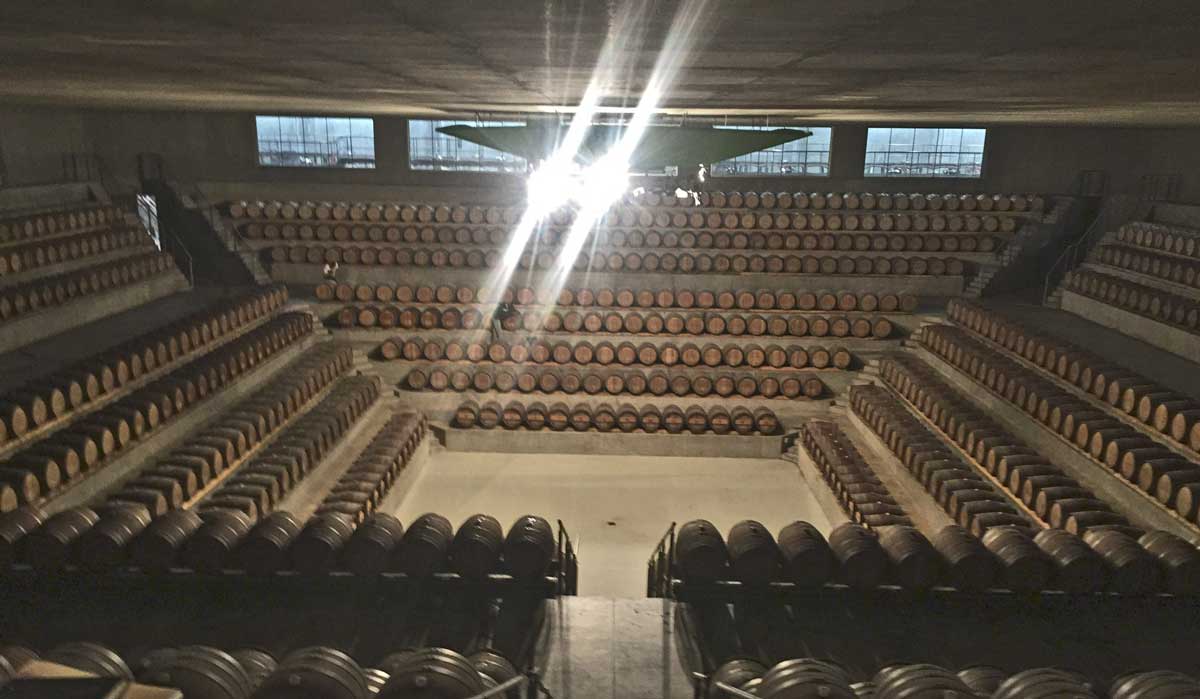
(177, 242)
(701, 684)
(660, 565)
(567, 573)
(1071, 256)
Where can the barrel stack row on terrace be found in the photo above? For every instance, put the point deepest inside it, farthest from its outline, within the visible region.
(26, 298)
(863, 496)
(1005, 558)
(603, 417)
(1019, 471)
(47, 401)
(660, 298)
(637, 206)
(222, 539)
(1140, 299)
(1133, 452)
(77, 219)
(205, 672)
(774, 232)
(49, 462)
(824, 678)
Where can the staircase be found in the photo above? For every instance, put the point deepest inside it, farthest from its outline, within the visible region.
(194, 200)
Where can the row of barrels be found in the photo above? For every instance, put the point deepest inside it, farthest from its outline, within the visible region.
(1006, 557)
(634, 208)
(604, 417)
(1158, 236)
(98, 539)
(846, 472)
(205, 672)
(220, 540)
(220, 452)
(1140, 299)
(22, 299)
(91, 442)
(361, 489)
(43, 401)
(694, 231)
(1132, 453)
(1055, 497)
(968, 498)
(476, 258)
(1168, 412)
(812, 677)
(635, 382)
(41, 225)
(625, 353)
(1164, 267)
(38, 254)
(617, 322)
(726, 299)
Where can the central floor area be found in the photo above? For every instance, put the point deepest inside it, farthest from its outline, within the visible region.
(616, 508)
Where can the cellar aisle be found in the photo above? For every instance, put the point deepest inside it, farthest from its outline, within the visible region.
(616, 508)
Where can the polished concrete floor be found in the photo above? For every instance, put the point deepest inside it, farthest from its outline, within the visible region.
(616, 508)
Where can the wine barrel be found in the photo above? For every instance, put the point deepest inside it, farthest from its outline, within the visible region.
(1178, 560)
(1022, 565)
(969, 565)
(862, 561)
(476, 547)
(753, 554)
(700, 552)
(1132, 570)
(529, 547)
(264, 551)
(1077, 568)
(424, 547)
(914, 562)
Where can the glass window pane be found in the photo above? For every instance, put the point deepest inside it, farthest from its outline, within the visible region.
(342, 142)
(430, 150)
(807, 156)
(924, 152)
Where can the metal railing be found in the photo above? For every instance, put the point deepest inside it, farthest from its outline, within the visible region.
(568, 564)
(1115, 211)
(660, 565)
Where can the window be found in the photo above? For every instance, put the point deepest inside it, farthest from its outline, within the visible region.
(288, 141)
(430, 150)
(807, 156)
(896, 152)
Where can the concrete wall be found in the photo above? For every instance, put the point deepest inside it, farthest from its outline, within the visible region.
(218, 147)
(33, 141)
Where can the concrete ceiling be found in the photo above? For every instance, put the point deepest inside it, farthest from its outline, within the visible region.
(1130, 62)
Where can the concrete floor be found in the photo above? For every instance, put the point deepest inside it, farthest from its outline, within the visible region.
(616, 508)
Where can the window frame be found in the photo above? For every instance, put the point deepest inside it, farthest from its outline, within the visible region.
(712, 173)
(335, 168)
(983, 155)
(471, 121)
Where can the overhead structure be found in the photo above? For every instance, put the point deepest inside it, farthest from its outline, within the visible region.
(660, 146)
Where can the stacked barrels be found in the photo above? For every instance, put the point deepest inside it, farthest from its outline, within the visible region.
(1157, 236)
(1148, 463)
(205, 671)
(650, 262)
(1056, 498)
(636, 382)
(1140, 299)
(48, 224)
(1169, 413)
(29, 256)
(1166, 267)
(20, 300)
(633, 322)
(967, 497)
(42, 402)
(862, 494)
(365, 484)
(604, 417)
(701, 299)
(764, 231)
(823, 678)
(585, 352)
(224, 539)
(93, 440)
